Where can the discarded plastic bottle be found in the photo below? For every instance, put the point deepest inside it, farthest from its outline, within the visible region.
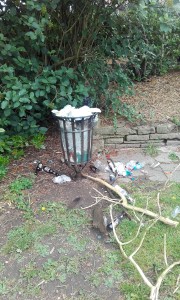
(100, 166)
(175, 212)
(124, 192)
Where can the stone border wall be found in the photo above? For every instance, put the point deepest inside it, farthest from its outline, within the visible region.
(140, 136)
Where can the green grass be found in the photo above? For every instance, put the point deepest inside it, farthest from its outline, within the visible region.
(173, 156)
(25, 236)
(78, 254)
(150, 257)
(151, 150)
(20, 184)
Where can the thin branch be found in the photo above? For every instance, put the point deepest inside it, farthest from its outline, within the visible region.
(123, 202)
(177, 167)
(177, 284)
(155, 291)
(165, 253)
(158, 204)
(146, 280)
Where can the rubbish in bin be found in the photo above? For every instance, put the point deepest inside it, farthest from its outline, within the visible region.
(61, 179)
(72, 112)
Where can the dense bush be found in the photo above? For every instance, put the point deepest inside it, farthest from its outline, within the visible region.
(56, 52)
(149, 34)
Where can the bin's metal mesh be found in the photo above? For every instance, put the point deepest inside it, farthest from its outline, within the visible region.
(76, 139)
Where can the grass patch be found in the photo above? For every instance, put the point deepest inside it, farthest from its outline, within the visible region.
(151, 150)
(79, 256)
(150, 257)
(25, 236)
(173, 156)
(21, 184)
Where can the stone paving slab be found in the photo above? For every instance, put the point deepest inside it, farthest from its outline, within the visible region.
(159, 168)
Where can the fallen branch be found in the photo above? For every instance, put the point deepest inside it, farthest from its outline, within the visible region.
(123, 202)
(154, 289)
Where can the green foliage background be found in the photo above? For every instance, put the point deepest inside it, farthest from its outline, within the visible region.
(55, 53)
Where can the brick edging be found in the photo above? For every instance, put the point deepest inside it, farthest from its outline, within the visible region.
(126, 136)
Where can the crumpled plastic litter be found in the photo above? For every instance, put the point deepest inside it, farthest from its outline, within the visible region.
(121, 169)
(124, 192)
(134, 165)
(72, 112)
(61, 179)
(175, 212)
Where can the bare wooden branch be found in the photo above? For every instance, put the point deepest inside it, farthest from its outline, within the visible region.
(154, 289)
(123, 202)
(146, 280)
(177, 284)
(165, 253)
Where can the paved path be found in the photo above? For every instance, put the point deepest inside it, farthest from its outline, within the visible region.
(160, 168)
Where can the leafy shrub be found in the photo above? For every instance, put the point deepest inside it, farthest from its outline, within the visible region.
(55, 53)
(149, 36)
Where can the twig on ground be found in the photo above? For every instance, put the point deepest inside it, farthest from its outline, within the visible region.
(177, 167)
(154, 289)
(123, 202)
(165, 253)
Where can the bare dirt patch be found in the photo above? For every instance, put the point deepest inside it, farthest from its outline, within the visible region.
(158, 98)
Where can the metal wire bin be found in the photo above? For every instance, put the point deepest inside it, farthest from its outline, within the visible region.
(76, 136)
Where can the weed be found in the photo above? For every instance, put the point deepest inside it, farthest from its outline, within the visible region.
(176, 121)
(3, 171)
(72, 265)
(29, 271)
(18, 141)
(3, 288)
(77, 244)
(49, 270)
(20, 184)
(1, 266)
(32, 291)
(134, 292)
(95, 279)
(19, 239)
(109, 271)
(62, 277)
(151, 150)
(25, 236)
(38, 141)
(17, 153)
(4, 160)
(173, 156)
(41, 249)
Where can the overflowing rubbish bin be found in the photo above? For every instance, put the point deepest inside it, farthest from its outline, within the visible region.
(76, 133)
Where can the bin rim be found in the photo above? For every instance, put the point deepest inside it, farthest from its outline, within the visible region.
(76, 118)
